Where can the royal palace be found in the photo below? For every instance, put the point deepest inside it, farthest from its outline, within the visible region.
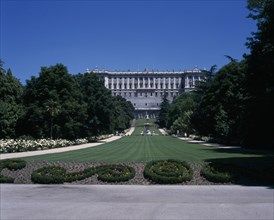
(146, 89)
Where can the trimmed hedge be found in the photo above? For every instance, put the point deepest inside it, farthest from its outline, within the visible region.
(12, 164)
(71, 177)
(115, 173)
(5, 179)
(168, 171)
(107, 173)
(218, 173)
(49, 175)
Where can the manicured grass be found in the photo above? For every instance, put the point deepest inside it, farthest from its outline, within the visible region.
(137, 148)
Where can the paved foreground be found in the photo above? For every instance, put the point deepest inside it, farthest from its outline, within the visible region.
(135, 202)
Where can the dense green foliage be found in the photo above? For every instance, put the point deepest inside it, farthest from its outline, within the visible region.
(167, 171)
(163, 114)
(219, 113)
(59, 105)
(106, 173)
(218, 172)
(259, 120)
(54, 105)
(49, 175)
(10, 103)
(115, 173)
(180, 113)
(11, 164)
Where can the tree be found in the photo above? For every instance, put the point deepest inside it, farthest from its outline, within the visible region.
(11, 92)
(219, 112)
(122, 113)
(54, 91)
(259, 118)
(53, 109)
(183, 124)
(99, 105)
(163, 114)
(180, 108)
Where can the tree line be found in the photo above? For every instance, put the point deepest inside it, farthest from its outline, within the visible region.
(235, 104)
(57, 104)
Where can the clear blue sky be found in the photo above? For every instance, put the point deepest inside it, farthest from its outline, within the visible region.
(122, 35)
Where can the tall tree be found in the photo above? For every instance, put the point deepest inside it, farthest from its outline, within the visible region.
(259, 120)
(163, 114)
(220, 110)
(54, 85)
(11, 92)
(99, 105)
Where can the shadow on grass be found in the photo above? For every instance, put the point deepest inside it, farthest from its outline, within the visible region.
(250, 171)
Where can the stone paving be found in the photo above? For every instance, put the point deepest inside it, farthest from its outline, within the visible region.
(40, 202)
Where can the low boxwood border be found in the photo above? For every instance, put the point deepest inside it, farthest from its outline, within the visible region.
(71, 177)
(168, 171)
(49, 175)
(106, 173)
(11, 164)
(5, 179)
(115, 173)
(218, 173)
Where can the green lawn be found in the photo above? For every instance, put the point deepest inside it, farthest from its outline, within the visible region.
(137, 148)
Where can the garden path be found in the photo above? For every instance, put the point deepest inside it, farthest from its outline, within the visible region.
(207, 144)
(63, 149)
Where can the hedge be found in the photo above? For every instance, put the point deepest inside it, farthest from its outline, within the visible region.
(115, 173)
(167, 171)
(49, 175)
(12, 164)
(218, 173)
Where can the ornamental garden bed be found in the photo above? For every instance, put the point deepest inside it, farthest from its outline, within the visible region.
(155, 172)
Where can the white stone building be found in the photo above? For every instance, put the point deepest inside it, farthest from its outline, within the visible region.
(146, 89)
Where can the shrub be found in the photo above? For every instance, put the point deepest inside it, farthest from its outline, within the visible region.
(5, 179)
(13, 164)
(167, 171)
(71, 177)
(115, 173)
(218, 173)
(49, 175)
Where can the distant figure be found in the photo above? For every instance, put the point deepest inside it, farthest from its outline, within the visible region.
(147, 117)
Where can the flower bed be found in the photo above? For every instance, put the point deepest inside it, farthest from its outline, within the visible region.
(107, 173)
(218, 173)
(168, 171)
(12, 164)
(49, 175)
(115, 173)
(22, 145)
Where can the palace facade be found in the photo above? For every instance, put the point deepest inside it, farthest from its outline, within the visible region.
(146, 89)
